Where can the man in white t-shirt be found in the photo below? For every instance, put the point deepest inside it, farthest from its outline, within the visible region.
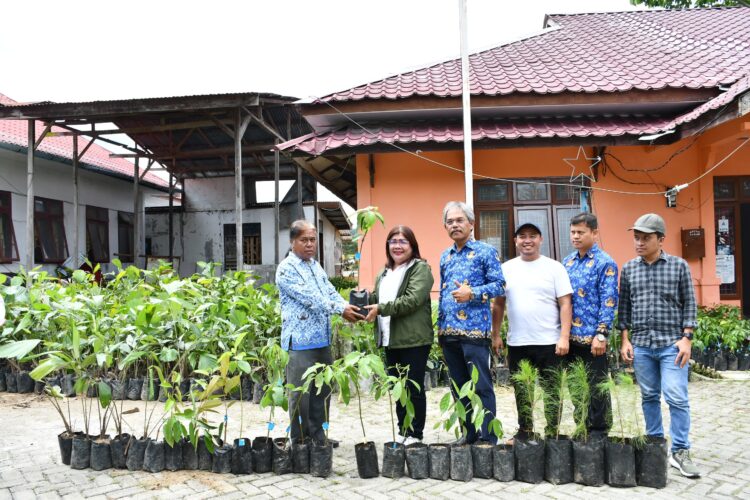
(538, 298)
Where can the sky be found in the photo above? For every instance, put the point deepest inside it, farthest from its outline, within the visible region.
(109, 49)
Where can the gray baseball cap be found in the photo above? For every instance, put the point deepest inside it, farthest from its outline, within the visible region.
(649, 223)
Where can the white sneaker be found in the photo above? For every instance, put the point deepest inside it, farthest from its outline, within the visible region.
(411, 440)
(400, 439)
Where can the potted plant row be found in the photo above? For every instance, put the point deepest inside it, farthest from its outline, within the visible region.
(625, 459)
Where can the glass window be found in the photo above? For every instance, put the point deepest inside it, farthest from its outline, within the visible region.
(494, 230)
(125, 236)
(724, 189)
(50, 245)
(540, 216)
(567, 194)
(8, 247)
(562, 217)
(493, 192)
(745, 187)
(97, 234)
(251, 245)
(725, 249)
(531, 192)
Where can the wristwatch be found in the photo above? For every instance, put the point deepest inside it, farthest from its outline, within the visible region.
(601, 337)
(688, 335)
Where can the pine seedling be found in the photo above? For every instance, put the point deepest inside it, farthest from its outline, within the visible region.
(558, 382)
(525, 383)
(625, 410)
(580, 394)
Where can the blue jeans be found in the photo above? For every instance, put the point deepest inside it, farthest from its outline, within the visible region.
(657, 374)
(460, 357)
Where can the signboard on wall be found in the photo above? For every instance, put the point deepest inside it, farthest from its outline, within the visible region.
(725, 268)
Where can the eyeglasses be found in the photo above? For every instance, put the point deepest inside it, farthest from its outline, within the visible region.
(402, 243)
(458, 221)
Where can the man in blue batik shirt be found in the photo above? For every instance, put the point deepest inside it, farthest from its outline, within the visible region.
(308, 300)
(593, 276)
(470, 277)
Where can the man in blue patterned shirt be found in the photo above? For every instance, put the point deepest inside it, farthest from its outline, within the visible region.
(308, 300)
(470, 277)
(658, 314)
(593, 276)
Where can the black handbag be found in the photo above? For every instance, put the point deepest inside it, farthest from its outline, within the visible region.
(360, 298)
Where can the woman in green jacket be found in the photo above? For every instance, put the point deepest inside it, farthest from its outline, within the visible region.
(402, 313)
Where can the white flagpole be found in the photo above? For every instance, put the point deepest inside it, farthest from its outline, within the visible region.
(466, 91)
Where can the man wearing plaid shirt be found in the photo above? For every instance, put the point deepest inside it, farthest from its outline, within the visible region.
(657, 313)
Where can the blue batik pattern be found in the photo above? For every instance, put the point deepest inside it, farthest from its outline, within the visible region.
(308, 300)
(594, 281)
(478, 265)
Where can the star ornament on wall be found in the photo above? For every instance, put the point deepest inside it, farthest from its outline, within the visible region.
(582, 165)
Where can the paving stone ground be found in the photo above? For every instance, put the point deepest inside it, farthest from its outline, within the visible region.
(30, 465)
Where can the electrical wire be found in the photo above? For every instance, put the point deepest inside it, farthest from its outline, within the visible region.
(681, 150)
(530, 181)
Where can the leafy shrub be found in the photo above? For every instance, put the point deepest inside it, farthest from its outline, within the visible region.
(721, 326)
(342, 283)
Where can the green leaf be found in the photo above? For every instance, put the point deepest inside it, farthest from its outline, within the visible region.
(76, 344)
(244, 366)
(460, 411)
(207, 362)
(209, 443)
(46, 367)
(18, 349)
(445, 402)
(167, 429)
(168, 354)
(105, 394)
(465, 390)
(23, 324)
(397, 389)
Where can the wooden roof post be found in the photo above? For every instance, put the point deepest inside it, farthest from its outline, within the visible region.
(30, 199)
(238, 132)
(276, 205)
(136, 218)
(301, 209)
(76, 251)
(172, 182)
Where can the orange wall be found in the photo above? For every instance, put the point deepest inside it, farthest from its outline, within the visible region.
(411, 190)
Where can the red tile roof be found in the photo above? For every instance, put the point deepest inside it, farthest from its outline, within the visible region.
(734, 90)
(436, 132)
(15, 132)
(419, 132)
(606, 52)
